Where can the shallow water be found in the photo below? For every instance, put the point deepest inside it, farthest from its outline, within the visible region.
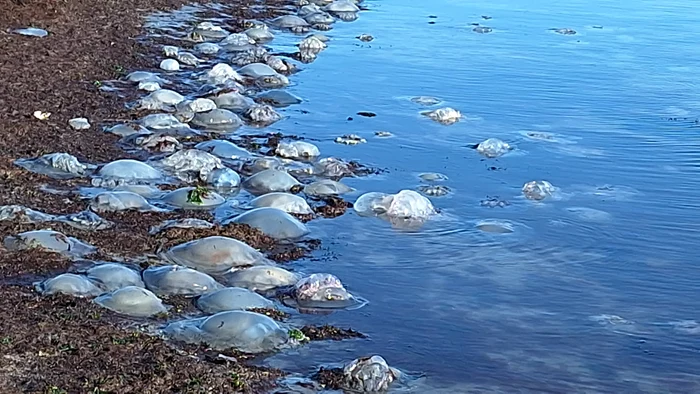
(532, 310)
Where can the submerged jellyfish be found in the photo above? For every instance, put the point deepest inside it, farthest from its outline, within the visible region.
(215, 255)
(246, 331)
(445, 115)
(231, 298)
(132, 301)
(493, 147)
(538, 190)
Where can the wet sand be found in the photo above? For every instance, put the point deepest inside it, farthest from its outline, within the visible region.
(61, 344)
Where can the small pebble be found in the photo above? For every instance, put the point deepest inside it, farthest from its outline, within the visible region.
(365, 37)
(367, 114)
(383, 134)
(170, 65)
(41, 115)
(79, 123)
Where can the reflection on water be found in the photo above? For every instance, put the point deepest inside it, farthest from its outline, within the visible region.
(592, 291)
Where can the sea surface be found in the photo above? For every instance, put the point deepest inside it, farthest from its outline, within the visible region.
(595, 290)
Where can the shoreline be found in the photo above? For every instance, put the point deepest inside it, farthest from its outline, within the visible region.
(61, 344)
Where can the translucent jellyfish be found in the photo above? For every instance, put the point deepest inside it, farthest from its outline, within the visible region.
(170, 51)
(256, 70)
(207, 48)
(132, 301)
(260, 35)
(297, 149)
(192, 164)
(287, 202)
(160, 99)
(373, 204)
(495, 226)
(193, 198)
(141, 76)
(322, 291)
(410, 204)
(70, 284)
(433, 177)
(23, 214)
(261, 278)
(169, 65)
(162, 122)
(113, 276)
(312, 43)
(493, 147)
(153, 142)
(369, 374)
(278, 98)
(273, 222)
(146, 191)
(215, 255)
(220, 74)
(149, 86)
(224, 178)
(188, 59)
(434, 190)
(224, 149)
(248, 332)
(126, 129)
(233, 101)
(49, 240)
(538, 190)
(262, 114)
(197, 105)
(172, 280)
(236, 40)
(56, 165)
(231, 299)
(217, 120)
(333, 168)
(120, 201)
(180, 223)
(326, 187)
(129, 169)
(271, 181)
(260, 164)
(85, 220)
(444, 115)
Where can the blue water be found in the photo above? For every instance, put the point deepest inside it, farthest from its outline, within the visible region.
(596, 290)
